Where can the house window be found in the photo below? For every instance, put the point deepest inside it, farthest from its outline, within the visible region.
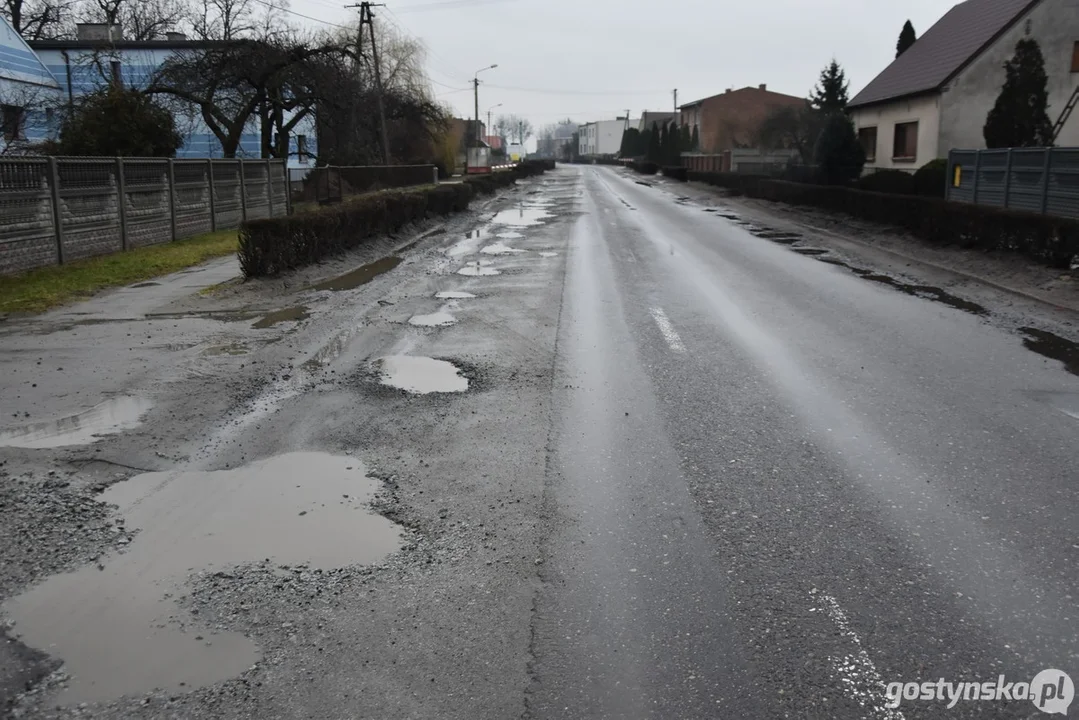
(13, 118)
(301, 148)
(117, 74)
(905, 146)
(867, 137)
(1075, 58)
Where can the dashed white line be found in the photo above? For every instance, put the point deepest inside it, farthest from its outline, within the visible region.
(859, 676)
(669, 333)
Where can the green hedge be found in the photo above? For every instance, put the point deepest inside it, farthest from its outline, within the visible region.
(1051, 240)
(676, 172)
(272, 245)
(645, 168)
(888, 181)
(737, 183)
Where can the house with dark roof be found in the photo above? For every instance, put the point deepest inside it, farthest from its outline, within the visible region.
(935, 97)
(732, 119)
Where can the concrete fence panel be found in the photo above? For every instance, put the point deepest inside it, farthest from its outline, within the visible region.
(27, 228)
(1039, 180)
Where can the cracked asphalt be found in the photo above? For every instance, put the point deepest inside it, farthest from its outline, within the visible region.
(596, 449)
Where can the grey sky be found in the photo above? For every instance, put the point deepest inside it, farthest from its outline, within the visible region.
(600, 57)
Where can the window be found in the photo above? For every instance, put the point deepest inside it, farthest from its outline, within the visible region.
(117, 74)
(1075, 58)
(12, 118)
(867, 137)
(905, 147)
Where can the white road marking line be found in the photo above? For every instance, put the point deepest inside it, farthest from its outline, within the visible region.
(669, 333)
(857, 673)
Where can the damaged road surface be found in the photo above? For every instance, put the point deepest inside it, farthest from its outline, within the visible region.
(589, 452)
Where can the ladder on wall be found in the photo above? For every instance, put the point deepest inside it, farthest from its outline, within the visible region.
(1065, 113)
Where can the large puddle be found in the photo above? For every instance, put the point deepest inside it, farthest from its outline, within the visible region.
(500, 248)
(441, 318)
(521, 216)
(1052, 346)
(421, 375)
(480, 268)
(105, 418)
(116, 628)
(454, 295)
(359, 276)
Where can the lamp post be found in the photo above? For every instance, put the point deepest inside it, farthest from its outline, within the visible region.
(489, 115)
(476, 90)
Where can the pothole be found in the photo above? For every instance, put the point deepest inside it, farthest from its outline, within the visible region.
(359, 276)
(478, 268)
(420, 375)
(521, 216)
(454, 295)
(105, 418)
(1052, 346)
(548, 254)
(500, 249)
(115, 626)
(438, 319)
(290, 314)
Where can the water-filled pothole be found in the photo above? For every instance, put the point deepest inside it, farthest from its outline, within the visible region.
(420, 375)
(360, 276)
(290, 314)
(478, 268)
(437, 319)
(500, 248)
(1052, 346)
(114, 624)
(454, 295)
(105, 418)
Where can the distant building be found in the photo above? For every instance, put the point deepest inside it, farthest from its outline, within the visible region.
(659, 119)
(603, 138)
(936, 96)
(100, 55)
(733, 119)
(28, 92)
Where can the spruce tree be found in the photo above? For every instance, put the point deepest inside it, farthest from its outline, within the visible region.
(653, 152)
(695, 143)
(1020, 116)
(838, 154)
(830, 94)
(906, 38)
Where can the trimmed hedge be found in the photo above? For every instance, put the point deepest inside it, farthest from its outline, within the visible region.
(888, 181)
(676, 172)
(931, 178)
(1050, 240)
(645, 168)
(737, 183)
(271, 245)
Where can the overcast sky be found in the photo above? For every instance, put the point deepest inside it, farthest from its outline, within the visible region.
(593, 59)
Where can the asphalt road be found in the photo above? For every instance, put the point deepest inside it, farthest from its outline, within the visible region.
(777, 484)
(701, 469)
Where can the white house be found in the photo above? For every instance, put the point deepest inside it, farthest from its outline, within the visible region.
(935, 97)
(597, 139)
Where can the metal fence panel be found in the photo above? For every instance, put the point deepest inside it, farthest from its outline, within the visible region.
(1039, 180)
(27, 231)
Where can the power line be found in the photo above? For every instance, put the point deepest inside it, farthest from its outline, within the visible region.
(305, 17)
(449, 5)
(553, 91)
(423, 43)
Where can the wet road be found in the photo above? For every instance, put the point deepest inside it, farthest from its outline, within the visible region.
(777, 486)
(596, 449)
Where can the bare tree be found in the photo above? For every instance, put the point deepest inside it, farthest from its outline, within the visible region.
(222, 19)
(141, 19)
(39, 19)
(513, 126)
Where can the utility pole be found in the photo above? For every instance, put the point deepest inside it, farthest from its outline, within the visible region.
(676, 101)
(624, 129)
(367, 18)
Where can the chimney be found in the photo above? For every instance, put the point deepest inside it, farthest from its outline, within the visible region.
(99, 31)
(175, 36)
(726, 91)
(763, 86)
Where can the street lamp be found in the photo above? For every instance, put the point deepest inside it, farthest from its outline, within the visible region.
(489, 115)
(476, 87)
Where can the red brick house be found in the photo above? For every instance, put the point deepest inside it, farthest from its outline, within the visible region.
(731, 120)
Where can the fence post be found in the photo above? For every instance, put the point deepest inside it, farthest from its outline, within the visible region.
(1045, 179)
(172, 196)
(1008, 178)
(213, 203)
(288, 187)
(121, 201)
(57, 213)
(243, 192)
(977, 173)
(269, 188)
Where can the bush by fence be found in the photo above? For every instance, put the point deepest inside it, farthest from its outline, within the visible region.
(332, 183)
(645, 168)
(675, 172)
(270, 246)
(1053, 241)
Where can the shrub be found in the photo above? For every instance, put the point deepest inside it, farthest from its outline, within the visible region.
(676, 173)
(838, 154)
(932, 178)
(888, 181)
(645, 167)
(271, 245)
(737, 183)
